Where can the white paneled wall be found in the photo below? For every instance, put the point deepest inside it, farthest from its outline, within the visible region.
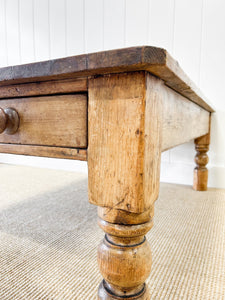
(193, 31)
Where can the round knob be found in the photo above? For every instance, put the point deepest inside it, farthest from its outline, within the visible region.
(9, 120)
(3, 120)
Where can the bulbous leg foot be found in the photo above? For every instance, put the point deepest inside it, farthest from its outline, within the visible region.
(124, 258)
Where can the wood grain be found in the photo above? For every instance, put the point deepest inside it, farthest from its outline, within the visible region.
(152, 139)
(173, 76)
(45, 151)
(49, 121)
(124, 141)
(183, 120)
(201, 160)
(118, 216)
(132, 104)
(116, 141)
(155, 60)
(44, 88)
(124, 258)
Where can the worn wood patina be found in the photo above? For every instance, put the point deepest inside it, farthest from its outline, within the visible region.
(119, 110)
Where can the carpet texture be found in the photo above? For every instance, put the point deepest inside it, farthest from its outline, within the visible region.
(49, 236)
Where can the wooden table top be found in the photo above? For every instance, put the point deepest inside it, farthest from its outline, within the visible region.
(156, 61)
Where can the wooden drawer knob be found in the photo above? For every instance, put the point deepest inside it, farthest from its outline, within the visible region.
(9, 120)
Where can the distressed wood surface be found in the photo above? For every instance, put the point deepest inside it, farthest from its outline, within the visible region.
(124, 141)
(152, 138)
(174, 77)
(45, 151)
(201, 160)
(124, 258)
(132, 116)
(183, 120)
(118, 216)
(49, 121)
(155, 60)
(44, 88)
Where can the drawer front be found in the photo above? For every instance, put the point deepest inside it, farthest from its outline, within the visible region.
(49, 121)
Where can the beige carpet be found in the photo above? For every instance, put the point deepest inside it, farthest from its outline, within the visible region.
(49, 235)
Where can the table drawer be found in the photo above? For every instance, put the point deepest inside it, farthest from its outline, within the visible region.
(59, 120)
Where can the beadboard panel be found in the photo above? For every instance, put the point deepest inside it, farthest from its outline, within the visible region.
(57, 28)
(74, 27)
(136, 22)
(26, 19)
(41, 30)
(94, 25)
(187, 36)
(161, 24)
(12, 27)
(114, 27)
(192, 31)
(3, 35)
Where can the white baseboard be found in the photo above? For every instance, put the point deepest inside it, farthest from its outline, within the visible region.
(182, 173)
(44, 162)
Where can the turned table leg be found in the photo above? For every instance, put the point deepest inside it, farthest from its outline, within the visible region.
(124, 150)
(201, 159)
(124, 255)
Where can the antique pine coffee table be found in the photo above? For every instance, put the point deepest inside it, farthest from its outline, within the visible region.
(118, 110)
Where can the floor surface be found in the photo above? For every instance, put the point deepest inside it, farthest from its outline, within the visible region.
(49, 236)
